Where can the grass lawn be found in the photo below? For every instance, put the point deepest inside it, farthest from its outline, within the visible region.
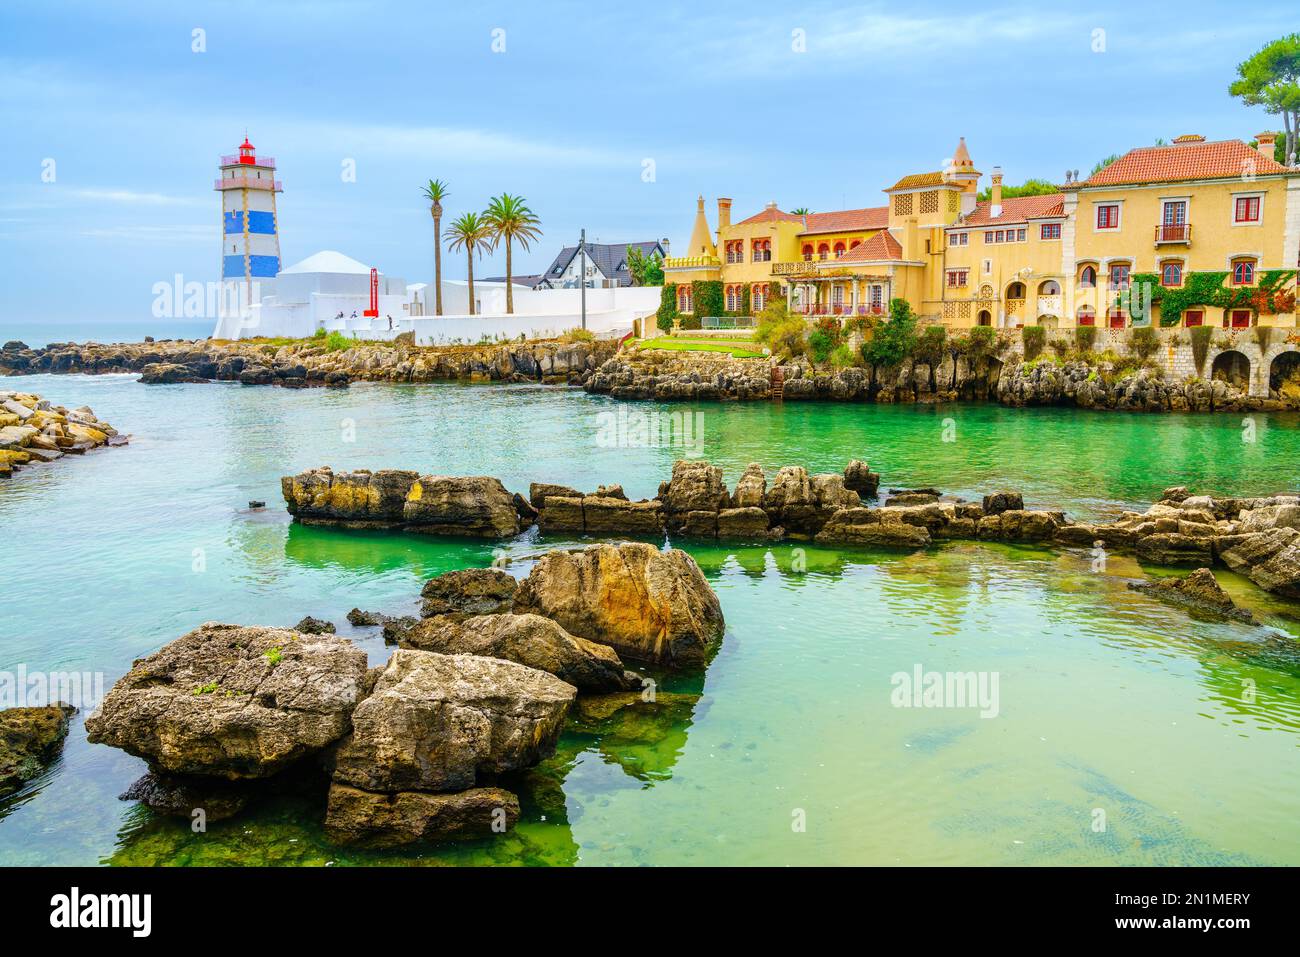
(739, 348)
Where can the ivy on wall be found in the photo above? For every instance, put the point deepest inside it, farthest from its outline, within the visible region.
(706, 295)
(667, 313)
(1271, 296)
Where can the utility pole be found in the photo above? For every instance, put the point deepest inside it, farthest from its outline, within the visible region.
(582, 274)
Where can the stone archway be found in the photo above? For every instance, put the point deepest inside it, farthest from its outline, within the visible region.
(1233, 368)
(1285, 370)
(985, 318)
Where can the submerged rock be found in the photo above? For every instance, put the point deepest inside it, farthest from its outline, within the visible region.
(528, 640)
(1270, 559)
(314, 626)
(649, 605)
(181, 796)
(233, 701)
(444, 722)
(29, 739)
(1198, 590)
(368, 819)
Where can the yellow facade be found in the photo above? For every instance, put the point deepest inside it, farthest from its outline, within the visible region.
(1173, 213)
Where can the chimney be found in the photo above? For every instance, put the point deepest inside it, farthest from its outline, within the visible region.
(995, 199)
(724, 213)
(1267, 141)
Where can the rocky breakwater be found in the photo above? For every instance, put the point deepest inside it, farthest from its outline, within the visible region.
(314, 362)
(423, 747)
(1100, 386)
(33, 431)
(664, 375)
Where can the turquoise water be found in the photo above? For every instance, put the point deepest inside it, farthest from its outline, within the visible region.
(1181, 732)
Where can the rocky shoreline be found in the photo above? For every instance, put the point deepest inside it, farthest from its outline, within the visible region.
(426, 746)
(34, 431)
(310, 362)
(673, 376)
(1257, 537)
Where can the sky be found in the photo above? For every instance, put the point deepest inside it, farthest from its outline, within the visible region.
(611, 117)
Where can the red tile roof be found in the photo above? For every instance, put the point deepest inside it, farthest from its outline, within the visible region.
(881, 247)
(770, 214)
(847, 220)
(1226, 159)
(1017, 210)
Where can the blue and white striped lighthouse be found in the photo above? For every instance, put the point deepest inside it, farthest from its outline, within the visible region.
(250, 237)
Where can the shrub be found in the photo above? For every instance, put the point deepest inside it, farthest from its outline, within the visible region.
(319, 333)
(892, 341)
(1143, 342)
(931, 345)
(337, 341)
(1033, 337)
(982, 343)
(843, 357)
(820, 344)
(1061, 347)
(578, 334)
(1201, 336)
(1085, 337)
(667, 313)
(787, 338)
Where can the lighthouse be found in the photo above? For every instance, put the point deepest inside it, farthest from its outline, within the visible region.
(250, 238)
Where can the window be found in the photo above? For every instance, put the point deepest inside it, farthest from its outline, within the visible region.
(988, 237)
(683, 298)
(998, 236)
(762, 250)
(1116, 319)
(1020, 235)
(1087, 316)
(1108, 216)
(957, 277)
(1050, 231)
(1194, 317)
(837, 296)
(1088, 277)
(839, 250)
(1240, 318)
(735, 251)
(877, 298)
(1016, 290)
(759, 297)
(823, 251)
(807, 252)
(1171, 274)
(731, 299)
(953, 238)
(1175, 212)
(1119, 275)
(1247, 209)
(1243, 272)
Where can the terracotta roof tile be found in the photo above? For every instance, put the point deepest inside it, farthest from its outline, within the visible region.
(882, 247)
(843, 220)
(919, 179)
(769, 214)
(1017, 210)
(1225, 159)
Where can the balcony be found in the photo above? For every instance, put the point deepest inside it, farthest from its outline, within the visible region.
(265, 162)
(838, 309)
(248, 182)
(1174, 233)
(692, 262)
(1050, 305)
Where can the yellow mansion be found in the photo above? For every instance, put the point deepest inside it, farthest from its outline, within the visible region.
(1209, 232)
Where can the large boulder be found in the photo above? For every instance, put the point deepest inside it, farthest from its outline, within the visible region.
(367, 819)
(164, 373)
(1199, 591)
(612, 515)
(999, 502)
(179, 796)
(477, 506)
(859, 478)
(1175, 548)
(649, 605)
(1270, 559)
(694, 487)
(442, 722)
(529, 640)
(233, 701)
(361, 498)
(470, 591)
(29, 739)
(750, 488)
(790, 501)
(864, 526)
(1268, 517)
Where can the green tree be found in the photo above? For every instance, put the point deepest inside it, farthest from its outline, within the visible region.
(1271, 79)
(893, 340)
(471, 233)
(435, 192)
(1102, 164)
(801, 211)
(509, 220)
(645, 270)
(1031, 187)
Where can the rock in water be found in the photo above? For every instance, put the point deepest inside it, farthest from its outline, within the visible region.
(859, 478)
(439, 722)
(233, 701)
(29, 739)
(529, 640)
(182, 796)
(647, 604)
(314, 626)
(471, 591)
(1199, 590)
(367, 819)
(474, 505)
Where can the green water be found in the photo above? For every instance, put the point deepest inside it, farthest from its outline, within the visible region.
(1182, 732)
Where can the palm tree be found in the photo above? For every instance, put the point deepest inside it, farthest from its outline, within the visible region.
(801, 211)
(471, 233)
(436, 192)
(510, 220)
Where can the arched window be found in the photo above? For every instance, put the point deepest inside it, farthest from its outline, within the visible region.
(807, 252)
(1171, 273)
(758, 297)
(1049, 288)
(731, 299)
(1088, 277)
(1243, 272)
(823, 251)
(1119, 275)
(1016, 290)
(1087, 316)
(839, 250)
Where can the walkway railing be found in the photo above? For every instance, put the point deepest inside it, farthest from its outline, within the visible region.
(726, 322)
